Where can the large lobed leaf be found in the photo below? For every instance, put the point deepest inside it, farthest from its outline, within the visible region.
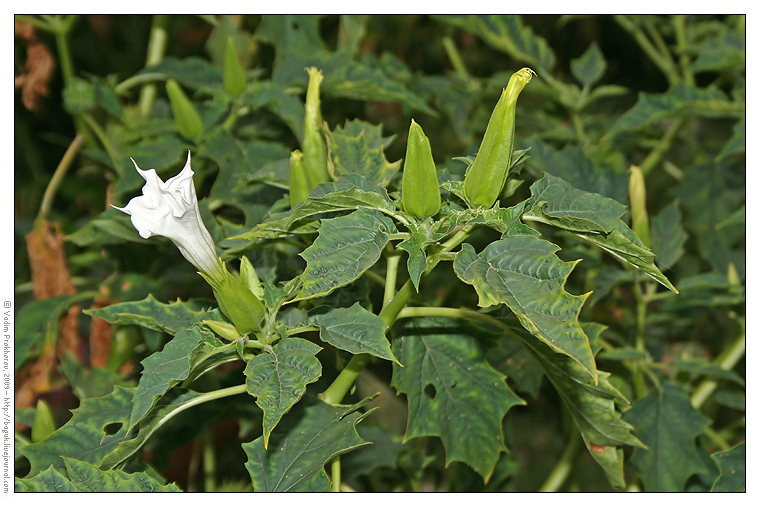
(308, 437)
(452, 392)
(733, 470)
(166, 368)
(360, 153)
(152, 314)
(278, 378)
(667, 423)
(82, 477)
(96, 428)
(592, 406)
(345, 248)
(524, 273)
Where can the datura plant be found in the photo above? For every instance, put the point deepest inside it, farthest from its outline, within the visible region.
(480, 294)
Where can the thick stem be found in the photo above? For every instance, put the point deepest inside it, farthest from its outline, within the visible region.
(335, 469)
(726, 361)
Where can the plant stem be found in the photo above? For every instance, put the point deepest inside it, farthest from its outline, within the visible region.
(564, 466)
(335, 468)
(663, 62)
(156, 49)
(662, 146)
(455, 58)
(103, 138)
(209, 463)
(726, 361)
(391, 275)
(679, 25)
(57, 179)
(639, 343)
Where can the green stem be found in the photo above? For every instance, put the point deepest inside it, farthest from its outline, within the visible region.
(335, 468)
(662, 147)
(662, 62)
(564, 466)
(57, 179)
(679, 25)
(156, 50)
(726, 361)
(209, 463)
(639, 343)
(391, 275)
(455, 58)
(102, 137)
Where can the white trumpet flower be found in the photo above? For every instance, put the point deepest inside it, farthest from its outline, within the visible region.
(170, 209)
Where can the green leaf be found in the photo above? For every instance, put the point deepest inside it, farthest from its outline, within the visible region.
(505, 220)
(308, 437)
(345, 248)
(738, 141)
(667, 423)
(38, 322)
(524, 273)
(554, 201)
(452, 391)
(668, 236)
(592, 407)
(278, 379)
(349, 192)
(680, 101)
(733, 470)
(151, 314)
(170, 366)
(87, 478)
(623, 243)
(109, 228)
(192, 72)
(49, 481)
(355, 330)
(723, 52)
(292, 35)
(590, 66)
(423, 234)
(96, 428)
(507, 34)
(352, 152)
(167, 407)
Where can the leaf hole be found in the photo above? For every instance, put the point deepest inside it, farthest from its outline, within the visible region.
(430, 391)
(112, 428)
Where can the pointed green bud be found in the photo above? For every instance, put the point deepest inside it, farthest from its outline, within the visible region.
(487, 175)
(637, 195)
(314, 147)
(420, 194)
(300, 187)
(223, 329)
(250, 278)
(43, 424)
(186, 117)
(238, 303)
(234, 75)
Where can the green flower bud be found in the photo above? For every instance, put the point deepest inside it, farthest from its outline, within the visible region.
(420, 195)
(300, 186)
(223, 329)
(250, 278)
(637, 195)
(234, 75)
(43, 424)
(186, 117)
(314, 147)
(486, 176)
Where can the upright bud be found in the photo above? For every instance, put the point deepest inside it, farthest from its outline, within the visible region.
(186, 117)
(420, 195)
(234, 75)
(250, 278)
(300, 186)
(637, 195)
(314, 147)
(486, 176)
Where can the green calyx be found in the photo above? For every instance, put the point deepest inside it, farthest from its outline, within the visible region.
(189, 122)
(238, 303)
(299, 185)
(487, 175)
(420, 195)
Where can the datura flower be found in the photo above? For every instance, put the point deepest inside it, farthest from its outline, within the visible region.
(170, 209)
